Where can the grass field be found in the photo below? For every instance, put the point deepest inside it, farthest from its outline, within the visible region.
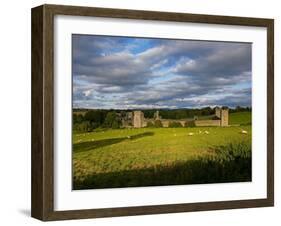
(162, 156)
(241, 118)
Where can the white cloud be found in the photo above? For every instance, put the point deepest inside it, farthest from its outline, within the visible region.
(164, 73)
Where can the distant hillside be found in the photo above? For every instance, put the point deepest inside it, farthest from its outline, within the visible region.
(242, 118)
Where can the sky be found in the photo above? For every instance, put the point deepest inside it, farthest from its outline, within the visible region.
(147, 73)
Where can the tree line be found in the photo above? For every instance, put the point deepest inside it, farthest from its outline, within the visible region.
(86, 120)
(94, 119)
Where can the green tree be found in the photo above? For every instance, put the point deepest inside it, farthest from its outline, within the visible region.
(77, 118)
(95, 117)
(150, 124)
(84, 126)
(112, 120)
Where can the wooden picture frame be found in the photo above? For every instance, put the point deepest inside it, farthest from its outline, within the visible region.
(43, 110)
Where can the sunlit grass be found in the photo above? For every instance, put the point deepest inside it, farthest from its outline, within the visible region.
(109, 158)
(240, 118)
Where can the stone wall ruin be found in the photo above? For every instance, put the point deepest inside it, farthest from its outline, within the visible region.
(136, 119)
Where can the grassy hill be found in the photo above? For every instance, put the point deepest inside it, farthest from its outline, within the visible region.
(161, 156)
(240, 118)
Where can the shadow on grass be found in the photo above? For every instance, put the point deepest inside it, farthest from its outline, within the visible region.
(232, 163)
(90, 145)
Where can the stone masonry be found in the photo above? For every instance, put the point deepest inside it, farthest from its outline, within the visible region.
(137, 120)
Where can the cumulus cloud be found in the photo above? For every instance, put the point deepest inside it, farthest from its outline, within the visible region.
(123, 72)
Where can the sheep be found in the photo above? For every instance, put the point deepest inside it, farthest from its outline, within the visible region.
(190, 134)
(206, 132)
(92, 139)
(129, 137)
(244, 132)
(200, 131)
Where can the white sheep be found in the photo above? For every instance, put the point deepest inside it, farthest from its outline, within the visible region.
(206, 132)
(190, 134)
(244, 132)
(129, 137)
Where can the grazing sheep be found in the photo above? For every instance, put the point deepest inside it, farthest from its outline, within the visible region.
(129, 137)
(190, 134)
(244, 132)
(92, 139)
(206, 132)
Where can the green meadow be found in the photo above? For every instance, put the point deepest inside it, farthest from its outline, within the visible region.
(114, 158)
(240, 118)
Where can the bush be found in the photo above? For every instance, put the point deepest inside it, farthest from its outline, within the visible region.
(158, 124)
(175, 124)
(150, 124)
(85, 126)
(189, 124)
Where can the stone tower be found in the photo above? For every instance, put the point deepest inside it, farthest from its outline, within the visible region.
(224, 117)
(218, 112)
(138, 119)
(156, 115)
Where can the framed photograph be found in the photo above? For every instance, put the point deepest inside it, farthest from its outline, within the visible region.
(141, 112)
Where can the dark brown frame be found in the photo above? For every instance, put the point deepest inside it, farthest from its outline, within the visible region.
(42, 203)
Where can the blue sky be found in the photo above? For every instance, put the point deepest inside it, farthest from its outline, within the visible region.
(129, 73)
